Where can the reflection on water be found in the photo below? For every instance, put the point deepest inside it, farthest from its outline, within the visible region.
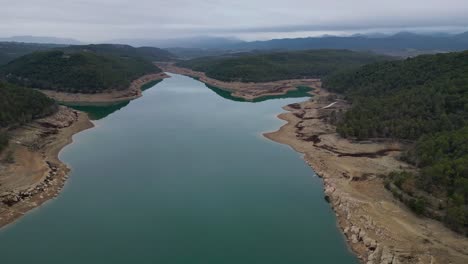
(148, 85)
(301, 91)
(99, 112)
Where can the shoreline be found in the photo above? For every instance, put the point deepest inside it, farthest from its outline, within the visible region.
(37, 175)
(248, 91)
(108, 97)
(377, 227)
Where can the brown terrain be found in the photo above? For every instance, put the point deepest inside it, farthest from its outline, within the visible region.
(108, 97)
(30, 171)
(247, 91)
(379, 228)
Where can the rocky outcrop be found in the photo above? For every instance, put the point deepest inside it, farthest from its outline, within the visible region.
(371, 252)
(37, 174)
(10, 198)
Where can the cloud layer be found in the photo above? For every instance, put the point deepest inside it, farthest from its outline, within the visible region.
(97, 20)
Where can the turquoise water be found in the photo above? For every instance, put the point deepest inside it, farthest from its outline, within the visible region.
(300, 92)
(181, 175)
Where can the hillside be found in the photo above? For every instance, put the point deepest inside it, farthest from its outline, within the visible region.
(425, 100)
(148, 53)
(85, 72)
(12, 50)
(20, 105)
(264, 67)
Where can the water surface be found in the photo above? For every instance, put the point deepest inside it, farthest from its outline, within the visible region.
(181, 175)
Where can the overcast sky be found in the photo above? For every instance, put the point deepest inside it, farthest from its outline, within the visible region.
(99, 20)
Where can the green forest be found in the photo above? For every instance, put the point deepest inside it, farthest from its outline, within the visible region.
(20, 105)
(125, 51)
(85, 72)
(12, 50)
(264, 67)
(422, 100)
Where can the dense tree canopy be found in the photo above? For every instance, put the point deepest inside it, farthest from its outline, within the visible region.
(85, 72)
(147, 53)
(422, 99)
(275, 66)
(405, 99)
(20, 105)
(12, 50)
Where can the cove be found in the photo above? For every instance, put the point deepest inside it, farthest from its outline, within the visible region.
(181, 175)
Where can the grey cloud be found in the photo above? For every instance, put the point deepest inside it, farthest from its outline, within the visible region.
(96, 20)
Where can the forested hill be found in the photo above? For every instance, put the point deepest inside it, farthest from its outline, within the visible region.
(405, 99)
(280, 65)
(423, 99)
(86, 72)
(12, 50)
(148, 53)
(20, 105)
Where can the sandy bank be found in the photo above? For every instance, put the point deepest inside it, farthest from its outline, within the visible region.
(247, 91)
(36, 174)
(379, 229)
(107, 97)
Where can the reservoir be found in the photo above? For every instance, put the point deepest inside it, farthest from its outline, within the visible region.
(181, 175)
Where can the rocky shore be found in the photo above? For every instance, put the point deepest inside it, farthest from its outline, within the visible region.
(32, 173)
(247, 91)
(378, 228)
(107, 97)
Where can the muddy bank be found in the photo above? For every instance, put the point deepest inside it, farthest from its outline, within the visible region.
(247, 91)
(379, 229)
(107, 97)
(30, 171)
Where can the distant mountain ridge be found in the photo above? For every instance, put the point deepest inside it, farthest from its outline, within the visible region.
(42, 40)
(399, 41)
(399, 44)
(12, 50)
(202, 42)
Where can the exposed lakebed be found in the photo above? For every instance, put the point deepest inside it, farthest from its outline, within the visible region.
(181, 175)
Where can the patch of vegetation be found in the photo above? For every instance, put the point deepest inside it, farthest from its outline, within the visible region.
(9, 158)
(276, 66)
(84, 72)
(20, 105)
(3, 140)
(423, 100)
